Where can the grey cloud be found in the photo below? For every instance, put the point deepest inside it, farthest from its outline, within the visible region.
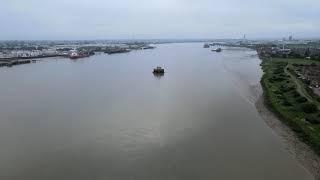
(104, 19)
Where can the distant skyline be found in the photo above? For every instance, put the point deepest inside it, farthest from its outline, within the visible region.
(157, 19)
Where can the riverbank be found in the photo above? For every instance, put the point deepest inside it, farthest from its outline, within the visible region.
(280, 108)
(293, 144)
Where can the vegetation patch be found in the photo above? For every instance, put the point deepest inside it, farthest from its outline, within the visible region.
(289, 99)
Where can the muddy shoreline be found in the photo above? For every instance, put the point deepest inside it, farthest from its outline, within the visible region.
(301, 151)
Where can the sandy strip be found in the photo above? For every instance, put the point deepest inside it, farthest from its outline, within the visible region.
(293, 145)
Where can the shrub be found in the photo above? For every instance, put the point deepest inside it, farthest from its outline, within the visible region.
(301, 99)
(277, 78)
(286, 88)
(313, 119)
(278, 71)
(286, 103)
(309, 108)
(295, 94)
(295, 55)
(277, 92)
(280, 96)
(270, 80)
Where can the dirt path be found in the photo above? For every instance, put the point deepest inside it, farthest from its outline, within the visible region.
(300, 89)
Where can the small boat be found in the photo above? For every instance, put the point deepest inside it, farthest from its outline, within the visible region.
(206, 46)
(158, 70)
(217, 50)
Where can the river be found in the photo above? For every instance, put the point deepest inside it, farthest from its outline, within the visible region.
(109, 117)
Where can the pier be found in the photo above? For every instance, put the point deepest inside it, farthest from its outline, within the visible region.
(14, 63)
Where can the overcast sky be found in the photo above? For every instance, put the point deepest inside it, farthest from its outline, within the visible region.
(113, 19)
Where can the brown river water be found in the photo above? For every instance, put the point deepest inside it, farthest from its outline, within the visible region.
(108, 117)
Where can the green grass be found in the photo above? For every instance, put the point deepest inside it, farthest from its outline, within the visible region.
(284, 98)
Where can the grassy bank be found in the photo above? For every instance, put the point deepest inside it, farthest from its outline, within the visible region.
(290, 100)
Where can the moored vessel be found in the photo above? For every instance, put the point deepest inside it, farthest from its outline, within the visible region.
(76, 55)
(206, 45)
(217, 50)
(158, 70)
